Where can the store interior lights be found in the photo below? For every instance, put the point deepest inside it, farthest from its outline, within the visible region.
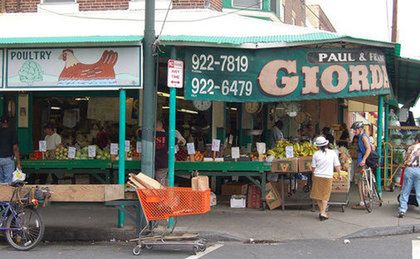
(181, 110)
(82, 99)
(55, 108)
(167, 95)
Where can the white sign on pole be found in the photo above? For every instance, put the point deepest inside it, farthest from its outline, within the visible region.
(289, 152)
(91, 151)
(235, 152)
(71, 152)
(175, 73)
(261, 148)
(127, 146)
(191, 148)
(114, 149)
(43, 146)
(215, 145)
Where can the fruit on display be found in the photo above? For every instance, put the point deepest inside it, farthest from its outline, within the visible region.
(37, 155)
(61, 153)
(198, 156)
(181, 155)
(345, 158)
(299, 149)
(341, 176)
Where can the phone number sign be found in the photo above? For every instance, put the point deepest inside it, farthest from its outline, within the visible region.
(235, 75)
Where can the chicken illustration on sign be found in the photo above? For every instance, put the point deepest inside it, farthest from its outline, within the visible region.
(76, 73)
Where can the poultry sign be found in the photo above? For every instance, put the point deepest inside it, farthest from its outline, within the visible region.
(77, 73)
(74, 68)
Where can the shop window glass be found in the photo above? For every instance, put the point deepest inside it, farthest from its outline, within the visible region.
(247, 4)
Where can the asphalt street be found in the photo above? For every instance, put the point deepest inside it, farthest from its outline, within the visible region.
(400, 246)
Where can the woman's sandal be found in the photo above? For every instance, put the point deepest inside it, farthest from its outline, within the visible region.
(322, 217)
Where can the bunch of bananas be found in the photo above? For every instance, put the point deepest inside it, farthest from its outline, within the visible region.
(299, 149)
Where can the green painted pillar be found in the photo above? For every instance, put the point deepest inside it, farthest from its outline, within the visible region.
(172, 125)
(379, 141)
(121, 152)
(386, 139)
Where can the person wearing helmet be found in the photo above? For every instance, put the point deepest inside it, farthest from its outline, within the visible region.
(363, 151)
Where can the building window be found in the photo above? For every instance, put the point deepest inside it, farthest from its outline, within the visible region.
(247, 4)
(59, 6)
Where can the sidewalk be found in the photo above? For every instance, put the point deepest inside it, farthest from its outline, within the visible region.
(95, 222)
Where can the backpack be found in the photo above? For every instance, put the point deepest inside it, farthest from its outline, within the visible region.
(373, 159)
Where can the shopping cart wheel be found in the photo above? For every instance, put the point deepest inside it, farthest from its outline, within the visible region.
(137, 250)
(149, 247)
(342, 208)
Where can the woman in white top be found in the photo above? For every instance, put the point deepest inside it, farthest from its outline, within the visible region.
(324, 161)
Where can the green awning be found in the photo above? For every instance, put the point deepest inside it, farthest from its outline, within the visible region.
(407, 81)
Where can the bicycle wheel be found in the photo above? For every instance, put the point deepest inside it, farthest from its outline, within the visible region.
(376, 197)
(367, 194)
(27, 229)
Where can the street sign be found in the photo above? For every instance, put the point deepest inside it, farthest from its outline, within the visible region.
(175, 73)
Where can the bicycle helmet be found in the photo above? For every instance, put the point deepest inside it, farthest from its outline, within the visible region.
(357, 125)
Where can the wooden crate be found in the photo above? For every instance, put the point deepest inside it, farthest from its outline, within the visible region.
(287, 165)
(75, 192)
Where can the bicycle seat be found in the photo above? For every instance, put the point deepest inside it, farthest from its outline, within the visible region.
(18, 183)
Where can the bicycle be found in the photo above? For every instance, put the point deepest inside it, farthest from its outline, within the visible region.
(19, 219)
(369, 190)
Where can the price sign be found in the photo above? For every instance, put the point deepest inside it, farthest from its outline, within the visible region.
(231, 139)
(43, 146)
(91, 151)
(71, 152)
(289, 152)
(127, 146)
(215, 145)
(114, 149)
(235, 152)
(190, 148)
(261, 148)
(138, 147)
(175, 73)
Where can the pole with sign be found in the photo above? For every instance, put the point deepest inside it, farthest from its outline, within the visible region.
(175, 80)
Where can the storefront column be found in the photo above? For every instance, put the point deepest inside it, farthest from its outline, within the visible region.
(379, 141)
(172, 125)
(386, 133)
(121, 152)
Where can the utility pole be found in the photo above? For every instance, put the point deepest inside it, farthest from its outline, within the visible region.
(394, 21)
(149, 92)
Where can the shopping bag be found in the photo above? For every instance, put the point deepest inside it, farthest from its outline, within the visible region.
(18, 175)
(200, 183)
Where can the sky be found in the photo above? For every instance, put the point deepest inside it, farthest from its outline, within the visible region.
(371, 19)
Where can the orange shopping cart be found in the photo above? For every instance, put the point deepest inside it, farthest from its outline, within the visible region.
(162, 204)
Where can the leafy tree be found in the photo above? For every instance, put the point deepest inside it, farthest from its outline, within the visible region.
(30, 72)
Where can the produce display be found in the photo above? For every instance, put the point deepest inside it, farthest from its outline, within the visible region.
(345, 158)
(299, 149)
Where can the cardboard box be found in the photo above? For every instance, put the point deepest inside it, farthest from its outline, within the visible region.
(286, 165)
(254, 197)
(238, 201)
(273, 197)
(213, 199)
(234, 189)
(342, 186)
(305, 164)
(200, 183)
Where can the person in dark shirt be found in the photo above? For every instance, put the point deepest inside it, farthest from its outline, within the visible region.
(161, 154)
(326, 132)
(9, 150)
(345, 136)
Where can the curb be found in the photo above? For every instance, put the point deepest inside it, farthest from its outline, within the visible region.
(385, 231)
